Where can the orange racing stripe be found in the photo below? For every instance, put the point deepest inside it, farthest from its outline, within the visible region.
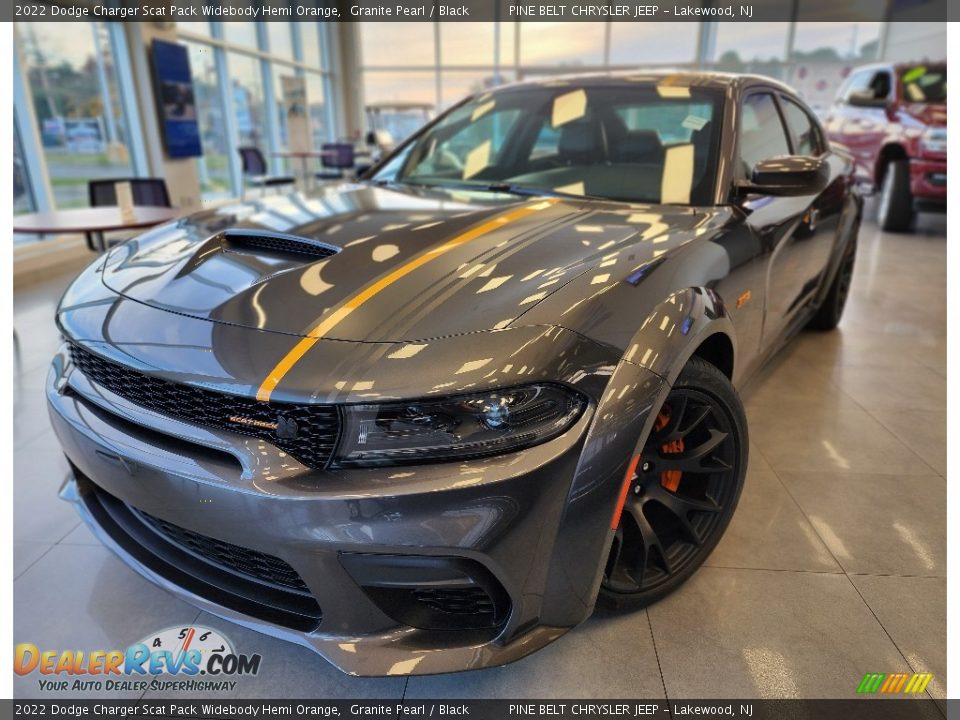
(341, 313)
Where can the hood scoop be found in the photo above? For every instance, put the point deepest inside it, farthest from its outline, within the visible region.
(261, 241)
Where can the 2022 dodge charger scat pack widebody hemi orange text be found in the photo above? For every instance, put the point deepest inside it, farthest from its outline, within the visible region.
(427, 420)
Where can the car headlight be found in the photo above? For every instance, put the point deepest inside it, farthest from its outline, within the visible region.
(934, 140)
(455, 428)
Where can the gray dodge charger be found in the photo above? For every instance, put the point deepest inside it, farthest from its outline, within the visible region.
(430, 419)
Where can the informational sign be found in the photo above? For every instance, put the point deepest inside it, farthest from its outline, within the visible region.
(173, 85)
(298, 119)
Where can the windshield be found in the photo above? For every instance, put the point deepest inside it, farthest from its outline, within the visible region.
(650, 144)
(925, 84)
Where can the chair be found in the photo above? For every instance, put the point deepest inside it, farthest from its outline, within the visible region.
(146, 192)
(255, 170)
(336, 157)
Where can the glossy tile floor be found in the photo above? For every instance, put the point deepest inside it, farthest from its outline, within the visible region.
(834, 565)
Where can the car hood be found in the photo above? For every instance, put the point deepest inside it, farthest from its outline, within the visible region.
(406, 264)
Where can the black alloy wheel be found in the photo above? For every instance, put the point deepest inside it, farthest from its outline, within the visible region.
(831, 308)
(683, 491)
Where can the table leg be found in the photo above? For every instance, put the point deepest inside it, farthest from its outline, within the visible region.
(90, 244)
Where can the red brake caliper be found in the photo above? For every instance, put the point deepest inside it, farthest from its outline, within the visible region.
(670, 479)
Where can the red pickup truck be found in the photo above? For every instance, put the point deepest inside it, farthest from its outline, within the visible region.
(893, 119)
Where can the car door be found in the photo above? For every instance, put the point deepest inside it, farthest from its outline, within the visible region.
(816, 233)
(784, 226)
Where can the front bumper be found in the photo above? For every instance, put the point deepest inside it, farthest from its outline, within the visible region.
(500, 515)
(928, 180)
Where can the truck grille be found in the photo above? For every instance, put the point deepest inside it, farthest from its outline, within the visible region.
(307, 432)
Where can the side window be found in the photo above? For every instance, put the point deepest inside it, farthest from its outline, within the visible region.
(806, 138)
(858, 82)
(762, 135)
(880, 85)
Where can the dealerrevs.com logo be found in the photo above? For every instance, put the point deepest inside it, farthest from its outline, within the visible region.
(188, 659)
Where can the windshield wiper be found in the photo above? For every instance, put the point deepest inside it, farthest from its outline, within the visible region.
(513, 189)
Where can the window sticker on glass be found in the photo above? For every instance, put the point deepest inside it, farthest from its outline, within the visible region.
(482, 110)
(672, 91)
(914, 74)
(694, 122)
(576, 188)
(477, 160)
(569, 107)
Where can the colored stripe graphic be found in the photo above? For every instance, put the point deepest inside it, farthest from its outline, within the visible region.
(894, 683)
(918, 683)
(341, 313)
(871, 682)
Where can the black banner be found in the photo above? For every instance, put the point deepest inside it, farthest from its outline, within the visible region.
(858, 709)
(476, 10)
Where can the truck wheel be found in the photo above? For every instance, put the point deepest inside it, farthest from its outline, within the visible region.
(895, 213)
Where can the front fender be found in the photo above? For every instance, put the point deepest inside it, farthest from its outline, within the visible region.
(639, 384)
(676, 328)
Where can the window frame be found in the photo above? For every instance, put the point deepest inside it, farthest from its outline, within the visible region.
(819, 137)
(747, 94)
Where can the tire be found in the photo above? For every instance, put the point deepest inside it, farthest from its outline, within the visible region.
(671, 522)
(830, 311)
(895, 210)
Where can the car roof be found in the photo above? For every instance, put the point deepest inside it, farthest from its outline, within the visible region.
(674, 78)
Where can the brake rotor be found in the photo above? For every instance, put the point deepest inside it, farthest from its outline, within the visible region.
(669, 479)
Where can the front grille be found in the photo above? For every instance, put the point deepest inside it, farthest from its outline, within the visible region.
(307, 432)
(458, 601)
(252, 563)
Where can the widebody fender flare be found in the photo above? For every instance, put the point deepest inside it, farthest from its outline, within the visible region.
(624, 417)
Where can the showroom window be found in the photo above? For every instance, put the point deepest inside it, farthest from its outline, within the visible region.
(77, 105)
(662, 43)
(214, 165)
(759, 47)
(23, 201)
(237, 70)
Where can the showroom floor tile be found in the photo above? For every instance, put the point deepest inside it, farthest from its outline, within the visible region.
(833, 566)
(877, 524)
(911, 610)
(85, 598)
(767, 634)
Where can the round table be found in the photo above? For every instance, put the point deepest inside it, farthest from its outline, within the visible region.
(92, 222)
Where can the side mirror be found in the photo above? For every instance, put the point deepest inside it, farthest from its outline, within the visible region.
(866, 98)
(787, 175)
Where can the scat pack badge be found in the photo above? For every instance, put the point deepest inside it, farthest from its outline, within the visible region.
(190, 659)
